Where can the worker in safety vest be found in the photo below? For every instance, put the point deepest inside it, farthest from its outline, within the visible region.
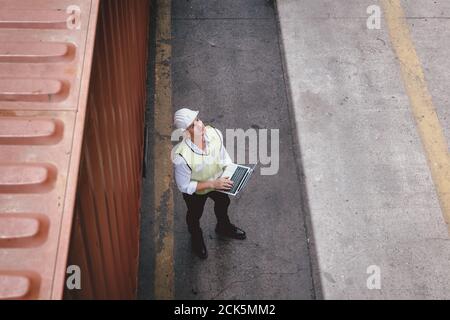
(199, 160)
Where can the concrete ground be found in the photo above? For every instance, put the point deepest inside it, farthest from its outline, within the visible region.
(370, 190)
(355, 196)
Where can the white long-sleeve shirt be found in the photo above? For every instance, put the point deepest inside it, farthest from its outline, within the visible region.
(183, 172)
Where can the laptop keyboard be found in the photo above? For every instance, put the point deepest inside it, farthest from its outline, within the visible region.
(237, 177)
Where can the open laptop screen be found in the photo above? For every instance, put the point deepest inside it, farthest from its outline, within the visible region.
(238, 175)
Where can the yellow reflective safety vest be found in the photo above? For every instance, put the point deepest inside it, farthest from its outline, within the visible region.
(204, 167)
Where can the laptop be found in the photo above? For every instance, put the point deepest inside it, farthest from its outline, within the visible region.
(240, 175)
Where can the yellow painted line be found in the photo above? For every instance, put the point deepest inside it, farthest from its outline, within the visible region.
(164, 240)
(427, 121)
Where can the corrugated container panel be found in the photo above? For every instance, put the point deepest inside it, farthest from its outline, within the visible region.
(46, 167)
(105, 239)
(45, 62)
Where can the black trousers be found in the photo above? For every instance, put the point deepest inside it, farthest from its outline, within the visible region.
(195, 204)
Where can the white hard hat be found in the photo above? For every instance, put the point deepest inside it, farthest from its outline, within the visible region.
(184, 118)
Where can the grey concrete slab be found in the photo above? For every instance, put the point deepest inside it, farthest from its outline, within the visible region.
(324, 9)
(230, 69)
(429, 9)
(430, 39)
(372, 200)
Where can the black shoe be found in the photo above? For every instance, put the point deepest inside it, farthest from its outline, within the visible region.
(231, 231)
(198, 245)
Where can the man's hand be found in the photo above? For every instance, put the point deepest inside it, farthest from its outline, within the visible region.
(223, 184)
(219, 184)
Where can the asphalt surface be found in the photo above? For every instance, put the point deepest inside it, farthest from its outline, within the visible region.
(364, 180)
(226, 62)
